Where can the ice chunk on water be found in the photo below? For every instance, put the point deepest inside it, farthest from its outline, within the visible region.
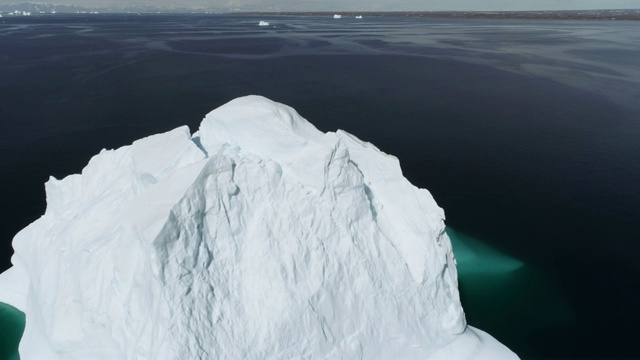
(260, 237)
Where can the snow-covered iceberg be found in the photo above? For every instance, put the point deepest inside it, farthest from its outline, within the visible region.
(258, 237)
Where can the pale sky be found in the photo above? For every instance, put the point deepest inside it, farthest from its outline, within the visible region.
(365, 5)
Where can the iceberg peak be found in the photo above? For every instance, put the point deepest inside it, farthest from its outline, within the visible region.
(257, 124)
(257, 237)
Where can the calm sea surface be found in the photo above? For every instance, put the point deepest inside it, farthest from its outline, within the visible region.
(527, 133)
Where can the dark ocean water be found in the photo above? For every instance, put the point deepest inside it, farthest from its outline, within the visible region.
(527, 133)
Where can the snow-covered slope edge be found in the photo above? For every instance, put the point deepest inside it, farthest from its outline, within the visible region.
(258, 237)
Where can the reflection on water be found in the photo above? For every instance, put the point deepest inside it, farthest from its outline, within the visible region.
(11, 328)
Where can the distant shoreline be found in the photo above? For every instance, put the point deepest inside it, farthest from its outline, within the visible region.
(11, 11)
(633, 15)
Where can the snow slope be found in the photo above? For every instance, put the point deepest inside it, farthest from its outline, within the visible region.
(257, 237)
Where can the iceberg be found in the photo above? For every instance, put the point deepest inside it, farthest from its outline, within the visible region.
(336, 16)
(263, 23)
(256, 237)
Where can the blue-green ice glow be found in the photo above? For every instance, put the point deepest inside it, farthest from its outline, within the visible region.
(505, 296)
(11, 328)
(475, 257)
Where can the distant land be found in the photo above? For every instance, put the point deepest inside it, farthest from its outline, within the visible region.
(23, 9)
(623, 14)
(42, 9)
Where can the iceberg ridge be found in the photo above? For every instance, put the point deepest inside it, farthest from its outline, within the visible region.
(257, 237)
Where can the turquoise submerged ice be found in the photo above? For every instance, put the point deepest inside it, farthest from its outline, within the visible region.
(11, 327)
(257, 237)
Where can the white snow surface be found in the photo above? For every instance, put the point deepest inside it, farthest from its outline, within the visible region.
(258, 237)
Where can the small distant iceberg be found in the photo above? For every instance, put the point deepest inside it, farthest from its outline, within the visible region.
(336, 16)
(263, 23)
(18, 12)
(359, 17)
